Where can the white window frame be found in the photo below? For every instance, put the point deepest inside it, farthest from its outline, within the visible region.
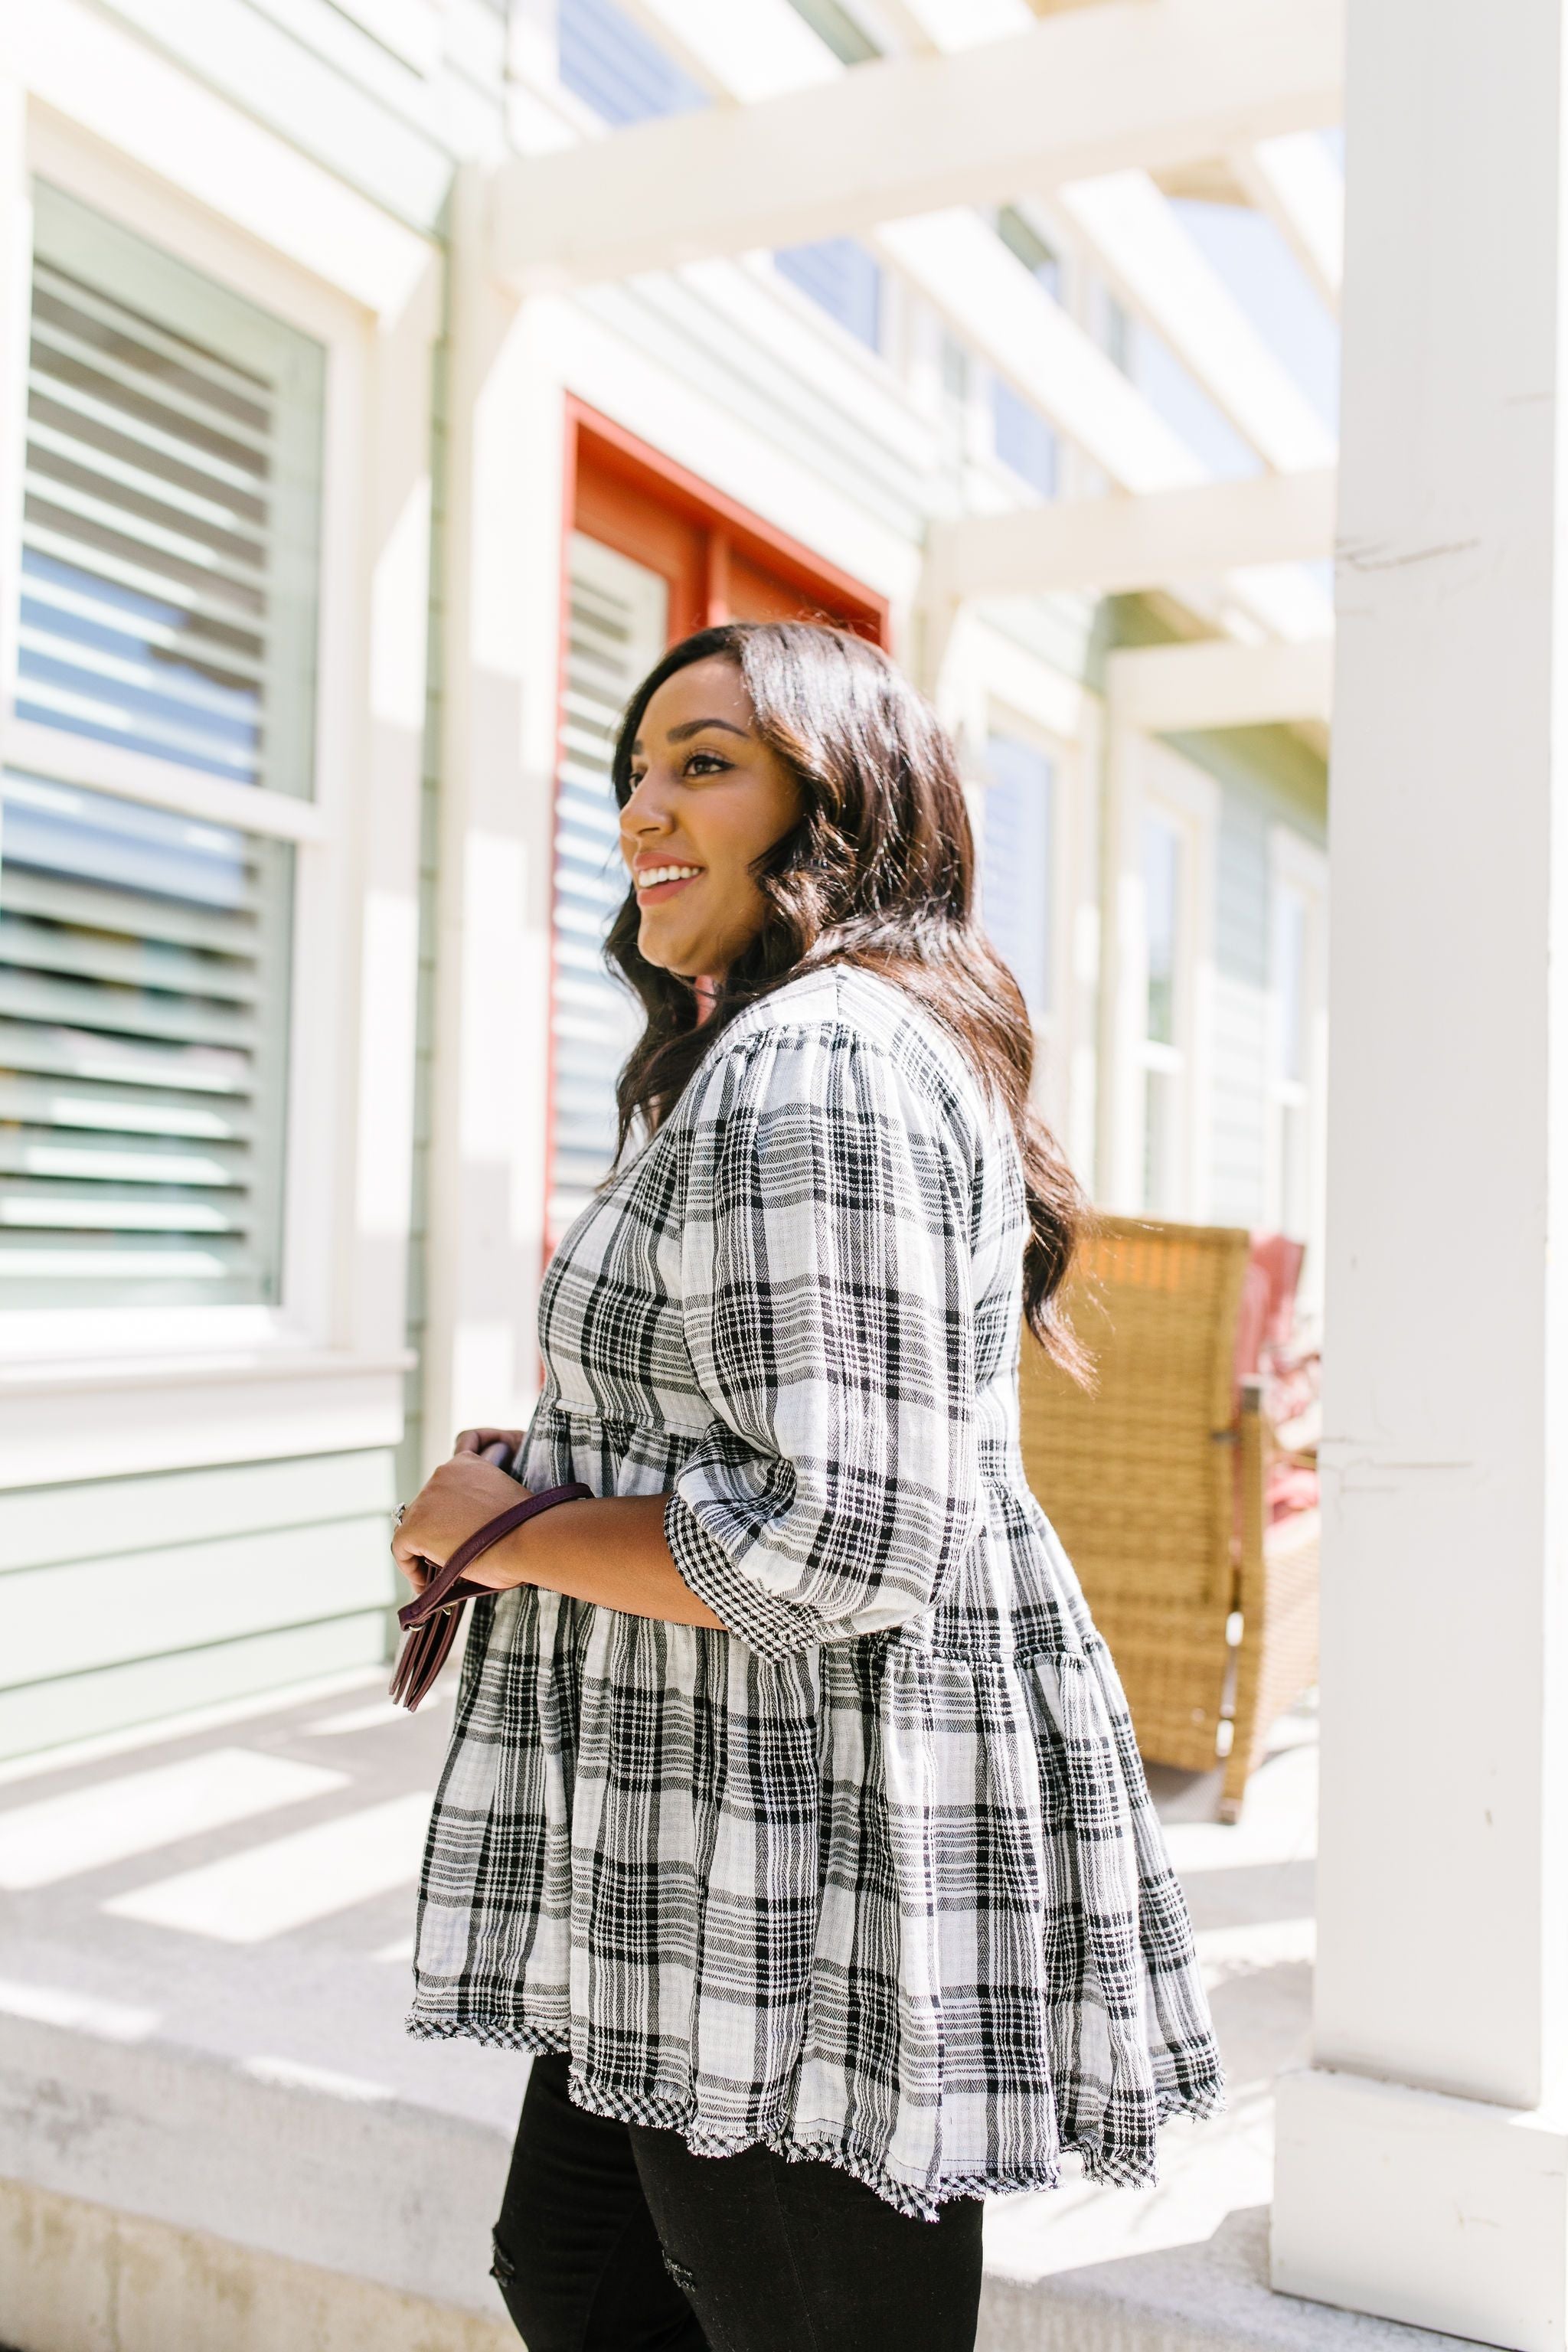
(339, 1320)
(1157, 781)
(1298, 868)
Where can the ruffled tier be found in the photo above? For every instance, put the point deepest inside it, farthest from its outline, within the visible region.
(900, 1911)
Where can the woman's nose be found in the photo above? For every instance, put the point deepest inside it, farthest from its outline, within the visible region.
(644, 812)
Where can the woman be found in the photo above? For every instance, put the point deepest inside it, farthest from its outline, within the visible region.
(791, 1808)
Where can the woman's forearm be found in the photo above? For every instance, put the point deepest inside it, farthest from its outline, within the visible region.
(610, 1551)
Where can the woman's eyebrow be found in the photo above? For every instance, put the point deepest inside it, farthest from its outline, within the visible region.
(695, 727)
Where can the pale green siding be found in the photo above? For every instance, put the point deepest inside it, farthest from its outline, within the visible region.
(122, 1600)
(1267, 776)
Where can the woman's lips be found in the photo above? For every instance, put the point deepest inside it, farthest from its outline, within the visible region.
(648, 895)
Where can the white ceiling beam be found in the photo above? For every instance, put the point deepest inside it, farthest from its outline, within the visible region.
(1184, 688)
(964, 269)
(1137, 236)
(1130, 83)
(1113, 546)
(1297, 182)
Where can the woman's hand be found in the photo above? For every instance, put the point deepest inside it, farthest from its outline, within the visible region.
(457, 1497)
(477, 1440)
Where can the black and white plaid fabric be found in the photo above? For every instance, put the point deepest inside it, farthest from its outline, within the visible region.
(873, 1876)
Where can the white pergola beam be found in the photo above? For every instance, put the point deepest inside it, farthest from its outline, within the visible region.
(1115, 545)
(1297, 182)
(1137, 236)
(1184, 688)
(1133, 83)
(964, 269)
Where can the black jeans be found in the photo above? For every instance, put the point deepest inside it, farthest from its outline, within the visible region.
(613, 2238)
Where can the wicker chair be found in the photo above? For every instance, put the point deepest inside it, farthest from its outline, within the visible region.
(1158, 1489)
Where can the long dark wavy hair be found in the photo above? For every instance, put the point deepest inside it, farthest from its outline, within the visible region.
(877, 871)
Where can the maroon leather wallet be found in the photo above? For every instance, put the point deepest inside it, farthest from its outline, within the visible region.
(430, 1619)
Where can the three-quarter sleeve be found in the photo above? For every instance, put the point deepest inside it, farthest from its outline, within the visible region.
(828, 1309)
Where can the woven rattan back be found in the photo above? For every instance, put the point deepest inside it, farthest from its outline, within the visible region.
(1138, 1477)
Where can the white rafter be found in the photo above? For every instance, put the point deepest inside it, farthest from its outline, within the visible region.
(965, 270)
(1111, 546)
(1296, 182)
(1138, 239)
(1133, 83)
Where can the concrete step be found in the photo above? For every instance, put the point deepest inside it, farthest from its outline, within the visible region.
(159, 2199)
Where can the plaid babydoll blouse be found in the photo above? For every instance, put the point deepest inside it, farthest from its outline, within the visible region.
(872, 1876)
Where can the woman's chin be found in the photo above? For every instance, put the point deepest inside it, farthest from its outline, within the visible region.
(676, 956)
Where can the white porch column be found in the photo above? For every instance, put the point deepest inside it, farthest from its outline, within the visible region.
(488, 1118)
(1423, 2165)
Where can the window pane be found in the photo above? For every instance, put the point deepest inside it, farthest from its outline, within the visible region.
(611, 64)
(169, 539)
(1023, 439)
(143, 988)
(1162, 906)
(843, 278)
(1015, 866)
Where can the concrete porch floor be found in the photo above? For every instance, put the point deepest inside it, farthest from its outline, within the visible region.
(215, 2138)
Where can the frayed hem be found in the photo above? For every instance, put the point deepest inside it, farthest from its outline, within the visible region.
(1113, 2169)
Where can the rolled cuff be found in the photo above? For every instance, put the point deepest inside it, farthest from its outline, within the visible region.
(775, 1629)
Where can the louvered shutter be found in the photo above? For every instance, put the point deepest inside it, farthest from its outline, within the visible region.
(168, 609)
(617, 629)
(169, 539)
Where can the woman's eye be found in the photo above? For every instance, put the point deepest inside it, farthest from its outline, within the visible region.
(706, 764)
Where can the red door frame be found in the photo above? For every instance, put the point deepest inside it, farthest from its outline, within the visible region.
(597, 446)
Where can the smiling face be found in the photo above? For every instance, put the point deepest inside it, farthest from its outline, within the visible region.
(707, 798)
